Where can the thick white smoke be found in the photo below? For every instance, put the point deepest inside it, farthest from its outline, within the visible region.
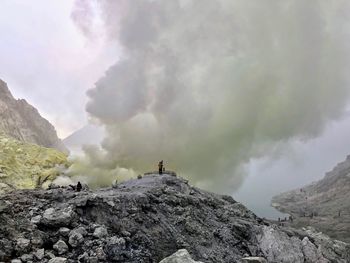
(207, 85)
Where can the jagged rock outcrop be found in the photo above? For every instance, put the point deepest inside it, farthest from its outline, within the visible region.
(148, 220)
(25, 165)
(324, 205)
(23, 122)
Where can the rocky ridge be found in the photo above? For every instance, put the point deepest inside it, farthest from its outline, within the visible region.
(23, 122)
(146, 220)
(324, 204)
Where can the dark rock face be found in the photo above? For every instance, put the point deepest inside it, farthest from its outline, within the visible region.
(324, 205)
(23, 122)
(147, 220)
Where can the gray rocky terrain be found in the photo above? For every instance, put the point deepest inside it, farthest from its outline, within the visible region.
(148, 220)
(23, 122)
(324, 204)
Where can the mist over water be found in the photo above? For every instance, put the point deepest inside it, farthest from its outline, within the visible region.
(208, 85)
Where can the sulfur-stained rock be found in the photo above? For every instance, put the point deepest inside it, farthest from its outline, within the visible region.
(27, 166)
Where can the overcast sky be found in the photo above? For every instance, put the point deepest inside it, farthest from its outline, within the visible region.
(46, 60)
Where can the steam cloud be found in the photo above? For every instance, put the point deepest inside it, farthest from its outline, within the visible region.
(207, 85)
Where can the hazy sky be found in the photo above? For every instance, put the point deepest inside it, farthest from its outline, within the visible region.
(46, 59)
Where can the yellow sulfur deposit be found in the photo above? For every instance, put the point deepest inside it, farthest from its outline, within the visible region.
(24, 165)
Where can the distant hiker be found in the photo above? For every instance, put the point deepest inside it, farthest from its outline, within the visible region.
(279, 219)
(115, 184)
(339, 213)
(79, 187)
(160, 167)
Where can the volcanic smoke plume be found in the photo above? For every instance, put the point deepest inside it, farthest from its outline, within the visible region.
(207, 85)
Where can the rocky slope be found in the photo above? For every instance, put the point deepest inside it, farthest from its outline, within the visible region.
(22, 121)
(324, 204)
(26, 165)
(147, 220)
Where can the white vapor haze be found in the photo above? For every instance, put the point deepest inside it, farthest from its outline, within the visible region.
(207, 85)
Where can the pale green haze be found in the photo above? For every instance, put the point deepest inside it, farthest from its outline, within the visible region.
(210, 85)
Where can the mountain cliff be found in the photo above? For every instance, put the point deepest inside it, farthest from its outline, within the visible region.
(324, 204)
(23, 122)
(146, 220)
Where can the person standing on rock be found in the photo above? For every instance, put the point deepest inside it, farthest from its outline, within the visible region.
(79, 187)
(160, 167)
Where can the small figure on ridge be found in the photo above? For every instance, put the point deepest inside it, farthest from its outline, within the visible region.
(79, 187)
(160, 166)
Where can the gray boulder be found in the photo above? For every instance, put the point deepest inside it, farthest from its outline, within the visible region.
(81, 230)
(64, 231)
(58, 260)
(39, 254)
(100, 232)
(278, 247)
(27, 257)
(22, 245)
(36, 219)
(75, 238)
(181, 256)
(58, 216)
(61, 247)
